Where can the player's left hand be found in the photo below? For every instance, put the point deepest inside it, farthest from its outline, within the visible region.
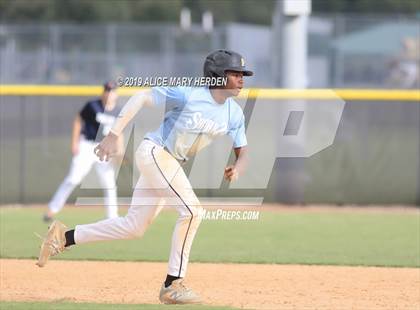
(231, 173)
(107, 148)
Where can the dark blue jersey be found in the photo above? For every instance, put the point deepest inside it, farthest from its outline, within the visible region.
(97, 121)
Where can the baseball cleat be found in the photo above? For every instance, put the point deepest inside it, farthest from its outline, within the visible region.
(178, 293)
(53, 243)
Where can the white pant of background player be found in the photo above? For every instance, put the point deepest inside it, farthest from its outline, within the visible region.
(80, 166)
(162, 181)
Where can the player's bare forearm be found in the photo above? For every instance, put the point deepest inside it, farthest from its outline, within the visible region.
(120, 145)
(119, 154)
(234, 171)
(130, 109)
(241, 159)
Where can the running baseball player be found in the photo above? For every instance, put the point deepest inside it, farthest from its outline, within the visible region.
(92, 123)
(197, 116)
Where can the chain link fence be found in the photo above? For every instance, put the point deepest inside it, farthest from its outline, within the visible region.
(344, 51)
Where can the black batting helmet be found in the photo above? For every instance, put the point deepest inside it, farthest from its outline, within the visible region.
(220, 61)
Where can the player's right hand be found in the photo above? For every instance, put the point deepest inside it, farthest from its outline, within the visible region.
(107, 148)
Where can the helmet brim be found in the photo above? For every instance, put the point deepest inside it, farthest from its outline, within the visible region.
(239, 69)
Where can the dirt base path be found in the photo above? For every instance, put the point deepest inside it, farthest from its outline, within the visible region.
(238, 285)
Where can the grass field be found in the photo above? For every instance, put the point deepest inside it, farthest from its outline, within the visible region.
(278, 237)
(337, 238)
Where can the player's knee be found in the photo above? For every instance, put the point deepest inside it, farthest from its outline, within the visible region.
(194, 215)
(198, 216)
(137, 232)
(134, 232)
(198, 210)
(136, 229)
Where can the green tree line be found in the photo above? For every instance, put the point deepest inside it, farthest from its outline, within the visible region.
(246, 11)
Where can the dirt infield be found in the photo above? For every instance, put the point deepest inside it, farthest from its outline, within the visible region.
(238, 285)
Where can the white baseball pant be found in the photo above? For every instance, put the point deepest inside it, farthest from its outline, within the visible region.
(162, 182)
(80, 166)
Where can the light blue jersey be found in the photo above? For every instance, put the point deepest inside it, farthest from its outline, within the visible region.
(194, 119)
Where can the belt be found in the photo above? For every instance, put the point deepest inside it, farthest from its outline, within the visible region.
(180, 161)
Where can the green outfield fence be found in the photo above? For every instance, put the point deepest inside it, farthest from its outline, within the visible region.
(373, 160)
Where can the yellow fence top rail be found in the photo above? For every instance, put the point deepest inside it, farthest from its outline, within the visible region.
(261, 93)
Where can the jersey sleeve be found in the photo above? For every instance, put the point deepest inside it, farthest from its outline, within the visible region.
(237, 129)
(174, 96)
